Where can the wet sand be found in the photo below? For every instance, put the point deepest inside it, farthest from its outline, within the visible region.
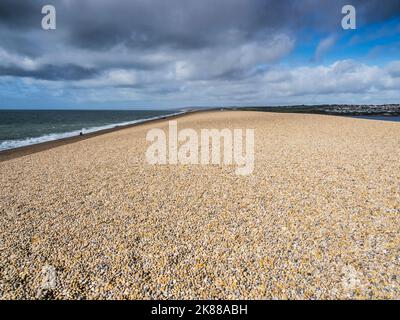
(318, 218)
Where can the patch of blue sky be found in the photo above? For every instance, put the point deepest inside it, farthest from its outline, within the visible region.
(376, 44)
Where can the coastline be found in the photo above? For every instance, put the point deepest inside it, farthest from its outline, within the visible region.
(42, 146)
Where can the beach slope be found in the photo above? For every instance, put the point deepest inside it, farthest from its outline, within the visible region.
(318, 218)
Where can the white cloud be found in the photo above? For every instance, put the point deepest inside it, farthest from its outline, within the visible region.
(394, 69)
(344, 81)
(14, 60)
(324, 46)
(219, 61)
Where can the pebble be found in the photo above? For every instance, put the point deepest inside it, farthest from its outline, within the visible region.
(318, 219)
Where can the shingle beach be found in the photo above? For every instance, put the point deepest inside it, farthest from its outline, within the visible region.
(319, 218)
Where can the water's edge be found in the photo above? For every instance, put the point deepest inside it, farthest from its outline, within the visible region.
(10, 154)
(19, 143)
(69, 137)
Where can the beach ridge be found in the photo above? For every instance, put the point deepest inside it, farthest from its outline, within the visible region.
(318, 218)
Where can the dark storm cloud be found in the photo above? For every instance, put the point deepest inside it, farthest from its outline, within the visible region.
(197, 24)
(51, 72)
(183, 24)
(20, 14)
(146, 27)
(375, 11)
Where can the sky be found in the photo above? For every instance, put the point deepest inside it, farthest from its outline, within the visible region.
(156, 54)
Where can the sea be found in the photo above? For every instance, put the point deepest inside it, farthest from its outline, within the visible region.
(20, 128)
(383, 118)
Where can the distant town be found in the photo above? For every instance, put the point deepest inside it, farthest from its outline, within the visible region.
(332, 109)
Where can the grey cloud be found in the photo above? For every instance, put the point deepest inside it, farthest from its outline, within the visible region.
(193, 24)
(17, 14)
(168, 45)
(50, 72)
(184, 24)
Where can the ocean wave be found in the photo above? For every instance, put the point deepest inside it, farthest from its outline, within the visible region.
(12, 144)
